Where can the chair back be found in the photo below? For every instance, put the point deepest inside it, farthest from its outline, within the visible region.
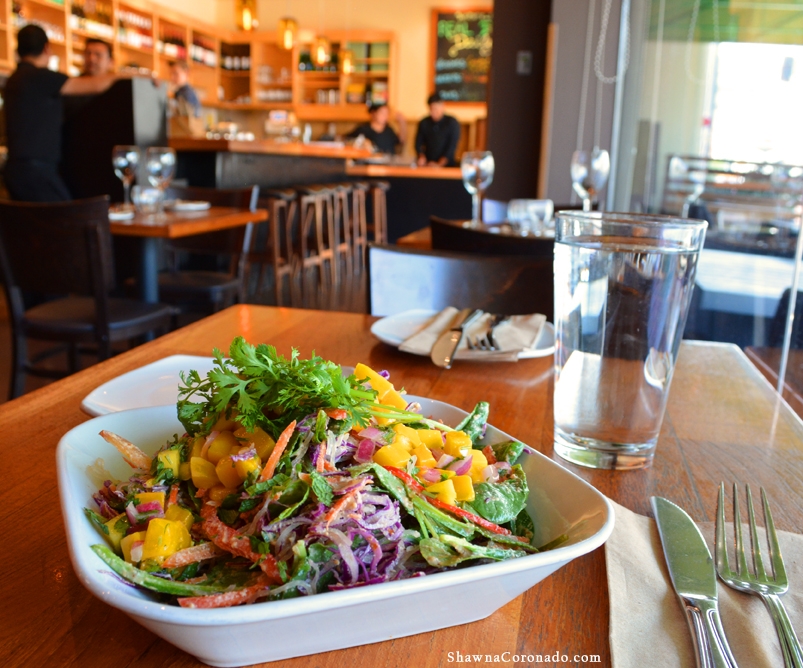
(401, 279)
(232, 241)
(494, 211)
(778, 322)
(450, 235)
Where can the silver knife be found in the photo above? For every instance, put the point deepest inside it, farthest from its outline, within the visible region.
(446, 346)
(695, 581)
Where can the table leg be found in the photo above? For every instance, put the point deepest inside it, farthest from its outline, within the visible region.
(149, 270)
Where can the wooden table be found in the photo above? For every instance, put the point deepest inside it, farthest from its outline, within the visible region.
(173, 225)
(768, 362)
(724, 422)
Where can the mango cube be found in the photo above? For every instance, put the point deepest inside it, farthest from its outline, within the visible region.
(479, 461)
(392, 455)
(170, 459)
(176, 513)
(227, 473)
(259, 438)
(377, 382)
(463, 487)
(117, 527)
(403, 442)
(148, 497)
(431, 438)
(457, 444)
(424, 457)
(246, 466)
(219, 492)
(197, 446)
(402, 430)
(444, 490)
(184, 471)
(225, 423)
(163, 538)
(223, 445)
(128, 542)
(203, 473)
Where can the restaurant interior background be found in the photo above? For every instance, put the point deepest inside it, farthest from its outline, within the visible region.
(697, 101)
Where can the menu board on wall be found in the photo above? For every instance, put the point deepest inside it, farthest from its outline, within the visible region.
(461, 63)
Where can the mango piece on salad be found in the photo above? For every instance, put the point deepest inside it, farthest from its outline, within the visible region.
(431, 438)
(403, 442)
(393, 398)
(163, 538)
(463, 487)
(424, 457)
(148, 497)
(117, 528)
(131, 541)
(445, 474)
(445, 491)
(223, 445)
(170, 459)
(377, 382)
(203, 473)
(479, 461)
(259, 438)
(457, 444)
(176, 513)
(392, 455)
(246, 466)
(227, 473)
(409, 433)
(197, 446)
(184, 471)
(225, 423)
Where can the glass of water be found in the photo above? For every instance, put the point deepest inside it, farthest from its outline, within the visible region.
(160, 165)
(125, 160)
(478, 173)
(623, 285)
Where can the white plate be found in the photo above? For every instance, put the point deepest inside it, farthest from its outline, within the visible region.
(154, 384)
(559, 503)
(394, 329)
(121, 215)
(186, 205)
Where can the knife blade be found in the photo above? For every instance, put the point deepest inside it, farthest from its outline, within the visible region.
(445, 347)
(695, 582)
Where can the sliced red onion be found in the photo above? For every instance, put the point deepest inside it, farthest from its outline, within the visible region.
(344, 547)
(490, 474)
(245, 455)
(430, 475)
(136, 550)
(444, 460)
(365, 451)
(502, 466)
(371, 432)
(212, 436)
(149, 507)
(461, 466)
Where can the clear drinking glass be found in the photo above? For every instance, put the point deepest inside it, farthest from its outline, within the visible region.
(530, 216)
(478, 174)
(623, 285)
(125, 160)
(590, 173)
(160, 165)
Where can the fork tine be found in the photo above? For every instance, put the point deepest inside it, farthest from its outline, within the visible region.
(772, 539)
(758, 563)
(721, 544)
(741, 562)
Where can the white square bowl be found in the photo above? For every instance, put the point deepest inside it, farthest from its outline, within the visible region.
(559, 503)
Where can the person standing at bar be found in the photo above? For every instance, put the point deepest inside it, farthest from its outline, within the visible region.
(184, 94)
(377, 130)
(97, 57)
(34, 115)
(437, 136)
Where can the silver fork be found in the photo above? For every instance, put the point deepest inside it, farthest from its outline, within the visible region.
(487, 341)
(759, 582)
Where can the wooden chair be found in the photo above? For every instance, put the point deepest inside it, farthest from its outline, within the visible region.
(65, 249)
(378, 225)
(343, 226)
(400, 279)
(359, 220)
(316, 242)
(209, 290)
(450, 235)
(274, 244)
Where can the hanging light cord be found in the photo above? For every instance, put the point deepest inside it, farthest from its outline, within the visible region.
(695, 13)
(603, 35)
(586, 72)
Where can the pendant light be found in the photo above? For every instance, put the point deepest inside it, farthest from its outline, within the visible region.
(288, 30)
(246, 11)
(346, 55)
(322, 51)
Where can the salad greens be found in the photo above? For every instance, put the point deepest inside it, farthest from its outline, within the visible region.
(294, 480)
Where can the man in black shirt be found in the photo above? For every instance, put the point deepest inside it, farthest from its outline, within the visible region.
(437, 136)
(33, 109)
(379, 132)
(97, 57)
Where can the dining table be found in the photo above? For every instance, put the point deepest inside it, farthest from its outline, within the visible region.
(151, 228)
(724, 422)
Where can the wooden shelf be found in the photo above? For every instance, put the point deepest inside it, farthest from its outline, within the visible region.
(235, 73)
(202, 66)
(48, 3)
(137, 49)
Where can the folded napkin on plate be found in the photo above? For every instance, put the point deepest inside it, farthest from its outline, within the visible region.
(647, 624)
(513, 336)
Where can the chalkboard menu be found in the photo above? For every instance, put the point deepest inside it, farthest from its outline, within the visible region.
(462, 41)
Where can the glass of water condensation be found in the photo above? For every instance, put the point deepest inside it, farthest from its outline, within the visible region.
(623, 284)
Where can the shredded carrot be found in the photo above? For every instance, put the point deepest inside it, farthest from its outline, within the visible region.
(338, 505)
(225, 599)
(321, 459)
(273, 460)
(200, 493)
(173, 498)
(192, 554)
(336, 413)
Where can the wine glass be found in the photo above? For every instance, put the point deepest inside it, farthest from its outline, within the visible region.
(160, 165)
(478, 173)
(590, 174)
(125, 160)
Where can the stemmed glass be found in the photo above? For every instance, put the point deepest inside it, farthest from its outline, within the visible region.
(160, 165)
(590, 174)
(125, 160)
(478, 174)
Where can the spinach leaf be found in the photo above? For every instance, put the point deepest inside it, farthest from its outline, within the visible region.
(508, 452)
(523, 525)
(441, 519)
(390, 483)
(449, 551)
(292, 498)
(501, 502)
(473, 425)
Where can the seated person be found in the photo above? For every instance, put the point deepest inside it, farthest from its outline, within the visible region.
(97, 57)
(183, 93)
(379, 132)
(437, 136)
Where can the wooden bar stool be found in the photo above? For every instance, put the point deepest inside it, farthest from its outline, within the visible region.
(317, 239)
(275, 246)
(378, 227)
(343, 214)
(359, 223)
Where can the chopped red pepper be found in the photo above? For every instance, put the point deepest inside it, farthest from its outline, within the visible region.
(488, 451)
(336, 413)
(406, 478)
(471, 517)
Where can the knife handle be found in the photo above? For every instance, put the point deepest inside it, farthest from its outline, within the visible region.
(710, 644)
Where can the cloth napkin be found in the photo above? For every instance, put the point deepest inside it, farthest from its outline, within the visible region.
(513, 336)
(647, 623)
